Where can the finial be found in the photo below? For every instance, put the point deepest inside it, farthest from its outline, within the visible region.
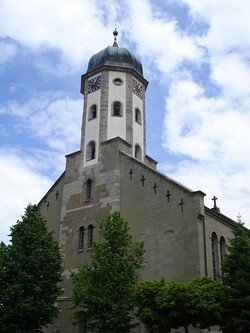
(215, 208)
(115, 33)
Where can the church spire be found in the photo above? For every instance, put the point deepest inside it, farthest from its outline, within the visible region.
(115, 33)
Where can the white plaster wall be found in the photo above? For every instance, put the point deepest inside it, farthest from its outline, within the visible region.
(138, 128)
(117, 125)
(93, 125)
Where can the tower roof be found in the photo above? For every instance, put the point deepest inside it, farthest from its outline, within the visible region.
(115, 56)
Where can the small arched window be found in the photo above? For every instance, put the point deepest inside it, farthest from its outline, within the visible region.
(138, 116)
(215, 255)
(90, 235)
(138, 152)
(222, 249)
(117, 109)
(91, 151)
(81, 238)
(93, 112)
(88, 189)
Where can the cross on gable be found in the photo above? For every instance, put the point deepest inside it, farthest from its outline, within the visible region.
(130, 173)
(143, 180)
(214, 200)
(168, 195)
(155, 187)
(181, 204)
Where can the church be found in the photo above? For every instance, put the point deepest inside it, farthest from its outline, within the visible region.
(112, 172)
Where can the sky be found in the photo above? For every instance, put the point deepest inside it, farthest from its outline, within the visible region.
(196, 57)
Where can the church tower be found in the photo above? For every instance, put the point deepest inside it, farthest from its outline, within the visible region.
(114, 102)
(111, 172)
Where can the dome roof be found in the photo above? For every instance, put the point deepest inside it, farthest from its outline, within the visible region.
(115, 56)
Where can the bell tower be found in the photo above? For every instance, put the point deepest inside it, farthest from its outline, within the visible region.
(114, 102)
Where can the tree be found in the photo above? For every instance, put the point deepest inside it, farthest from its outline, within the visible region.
(163, 304)
(30, 269)
(103, 290)
(148, 310)
(236, 278)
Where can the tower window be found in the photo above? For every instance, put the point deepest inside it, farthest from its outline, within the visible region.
(93, 112)
(138, 116)
(117, 81)
(117, 109)
(90, 235)
(138, 152)
(88, 189)
(215, 256)
(91, 151)
(81, 238)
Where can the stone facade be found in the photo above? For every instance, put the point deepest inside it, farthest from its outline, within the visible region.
(170, 218)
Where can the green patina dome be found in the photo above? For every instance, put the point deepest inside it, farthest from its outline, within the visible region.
(115, 56)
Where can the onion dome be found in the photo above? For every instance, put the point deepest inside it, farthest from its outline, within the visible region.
(115, 56)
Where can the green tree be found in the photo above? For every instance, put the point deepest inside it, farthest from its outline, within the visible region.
(148, 310)
(163, 305)
(236, 278)
(30, 269)
(103, 291)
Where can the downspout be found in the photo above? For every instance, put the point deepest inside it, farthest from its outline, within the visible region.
(202, 218)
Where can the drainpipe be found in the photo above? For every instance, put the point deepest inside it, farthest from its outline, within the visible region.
(202, 218)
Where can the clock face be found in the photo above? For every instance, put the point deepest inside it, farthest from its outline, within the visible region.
(94, 84)
(137, 88)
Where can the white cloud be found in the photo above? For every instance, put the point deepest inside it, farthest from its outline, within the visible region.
(20, 185)
(58, 24)
(159, 39)
(8, 51)
(56, 121)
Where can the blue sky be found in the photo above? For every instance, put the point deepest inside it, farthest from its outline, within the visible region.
(195, 55)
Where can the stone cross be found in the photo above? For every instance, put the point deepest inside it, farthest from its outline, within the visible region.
(168, 195)
(143, 180)
(181, 204)
(214, 200)
(130, 173)
(155, 187)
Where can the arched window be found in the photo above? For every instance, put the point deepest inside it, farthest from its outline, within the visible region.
(222, 249)
(215, 256)
(117, 109)
(88, 189)
(90, 235)
(81, 238)
(91, 151)
(93, 112)
(138, 152)
(138, 116)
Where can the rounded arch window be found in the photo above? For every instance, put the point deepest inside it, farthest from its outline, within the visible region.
(81, 238)
(117, 109)
(138, 116)
(91, 151)
(93, 112)
(118, 81)
(215, 255)
(138, 152)
(90, 235)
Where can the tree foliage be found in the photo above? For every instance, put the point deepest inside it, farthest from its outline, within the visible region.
(163, 304)
(103, 290)
(236, 278)
(30, 270)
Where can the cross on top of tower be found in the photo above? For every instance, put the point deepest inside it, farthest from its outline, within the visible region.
(115, 33)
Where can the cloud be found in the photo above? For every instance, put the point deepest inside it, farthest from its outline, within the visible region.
(20, 185)
(8, 51)
(54, 24)
(165, 40)
(54, 120)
